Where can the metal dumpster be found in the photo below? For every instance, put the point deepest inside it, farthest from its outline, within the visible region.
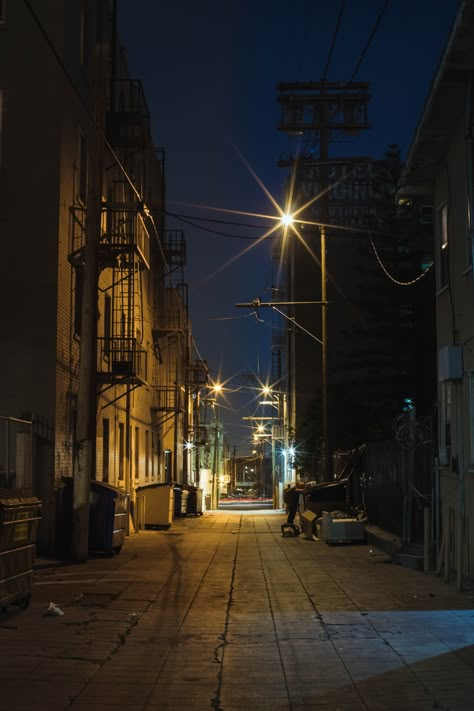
(108, 514)
(19, 517)
(155, 505)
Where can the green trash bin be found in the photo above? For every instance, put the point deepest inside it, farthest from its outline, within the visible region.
(19, 518)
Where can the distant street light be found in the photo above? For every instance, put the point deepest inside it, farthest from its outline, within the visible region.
(287, 220)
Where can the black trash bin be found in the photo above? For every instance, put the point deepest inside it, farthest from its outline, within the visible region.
(19, 518)
(177, 493)
(194, 501)
(108, 514)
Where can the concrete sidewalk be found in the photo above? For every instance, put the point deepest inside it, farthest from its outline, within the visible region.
(221, 612)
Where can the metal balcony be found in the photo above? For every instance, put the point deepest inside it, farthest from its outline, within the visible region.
(121, 360)
(128, 117)
(167, 398)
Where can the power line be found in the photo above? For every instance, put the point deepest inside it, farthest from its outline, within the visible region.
(220, 222)
(211, 231)
(334, 37)
(233, 318)
(395, 281)
(146, 212)
(369, 41)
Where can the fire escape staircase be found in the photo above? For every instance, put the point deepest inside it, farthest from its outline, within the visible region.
(123, 248)
(169, 399)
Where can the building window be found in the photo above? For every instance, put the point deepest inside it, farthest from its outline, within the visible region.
(137, 452)
(445, 422)
(107, 324)
(121, 451)
(443, 254)
(105, 450)
(168, 465)
(147, 454)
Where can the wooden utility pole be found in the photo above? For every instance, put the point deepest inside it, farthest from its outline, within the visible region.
(324, 215)
(85, 434)
(215, 488)
(318, 109)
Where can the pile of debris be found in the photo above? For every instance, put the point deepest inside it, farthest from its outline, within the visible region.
(334, 511)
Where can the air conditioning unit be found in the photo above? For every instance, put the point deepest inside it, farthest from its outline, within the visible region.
(450, 363)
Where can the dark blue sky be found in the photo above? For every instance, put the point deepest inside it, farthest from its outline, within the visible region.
(209, 71)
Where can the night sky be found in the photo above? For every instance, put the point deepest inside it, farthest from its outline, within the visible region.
(209, 70)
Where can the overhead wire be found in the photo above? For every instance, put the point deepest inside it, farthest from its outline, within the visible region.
(298, 325)
(334, 38)
(103, 137)
(396, 281)
(233, 318)
(211, 219)
(76, 91)
(211, 231)
(369, 41)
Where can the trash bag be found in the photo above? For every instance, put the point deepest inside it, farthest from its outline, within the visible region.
(290, 530)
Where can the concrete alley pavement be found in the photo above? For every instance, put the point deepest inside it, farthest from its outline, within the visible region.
(220, 612)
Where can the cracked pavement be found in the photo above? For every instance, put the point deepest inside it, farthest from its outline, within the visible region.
(220, 612)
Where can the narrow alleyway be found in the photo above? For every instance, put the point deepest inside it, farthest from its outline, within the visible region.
(221, 612)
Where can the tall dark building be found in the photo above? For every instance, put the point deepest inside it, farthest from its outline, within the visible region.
(380, 327)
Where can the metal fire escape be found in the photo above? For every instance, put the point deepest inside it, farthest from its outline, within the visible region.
(124, 243)
(170, 321)
(125, 251)
(125, 248)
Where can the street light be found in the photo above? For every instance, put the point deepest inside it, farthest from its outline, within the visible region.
(280, 433)
(287, 220)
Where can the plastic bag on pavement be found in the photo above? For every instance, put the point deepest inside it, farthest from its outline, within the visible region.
(53, 610)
